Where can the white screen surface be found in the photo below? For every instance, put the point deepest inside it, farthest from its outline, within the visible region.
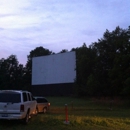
(54, 69)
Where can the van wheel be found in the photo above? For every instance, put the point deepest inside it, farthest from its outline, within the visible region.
(26, 119)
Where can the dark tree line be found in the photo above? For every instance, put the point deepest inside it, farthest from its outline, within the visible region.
(103, 68)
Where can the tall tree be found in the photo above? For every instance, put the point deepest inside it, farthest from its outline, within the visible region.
(119, 74)
(38, 51)
(113, 60)
(10, 73)
(63, 51)
(85, 60)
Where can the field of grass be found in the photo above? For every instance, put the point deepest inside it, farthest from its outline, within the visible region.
(83, 114)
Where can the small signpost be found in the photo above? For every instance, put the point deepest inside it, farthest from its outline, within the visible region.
(66, 114)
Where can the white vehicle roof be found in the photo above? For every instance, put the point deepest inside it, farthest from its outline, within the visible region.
(18, 91)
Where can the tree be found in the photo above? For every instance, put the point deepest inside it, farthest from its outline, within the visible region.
(85, 60)
(38, 51)
(63, 51)
(113, 60)
(10, 73)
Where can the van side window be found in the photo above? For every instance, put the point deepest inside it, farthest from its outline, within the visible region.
(29, 98)
(24, 97)
(32, 97)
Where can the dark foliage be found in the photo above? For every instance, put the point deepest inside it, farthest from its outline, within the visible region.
(103, 68)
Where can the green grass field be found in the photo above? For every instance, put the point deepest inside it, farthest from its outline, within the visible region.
(83, 114)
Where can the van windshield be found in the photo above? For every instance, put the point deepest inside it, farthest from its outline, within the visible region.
(10, 97)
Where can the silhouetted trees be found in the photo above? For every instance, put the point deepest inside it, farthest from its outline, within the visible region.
(108, 75)
(103, 68)
(11, 73)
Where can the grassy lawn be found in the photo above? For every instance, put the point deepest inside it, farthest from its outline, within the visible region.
(83, 114)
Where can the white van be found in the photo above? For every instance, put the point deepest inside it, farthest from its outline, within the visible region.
(17, 104)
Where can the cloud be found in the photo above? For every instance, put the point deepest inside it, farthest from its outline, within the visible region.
(1, 29)
(57, 25)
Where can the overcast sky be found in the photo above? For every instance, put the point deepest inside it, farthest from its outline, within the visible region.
(57, 24)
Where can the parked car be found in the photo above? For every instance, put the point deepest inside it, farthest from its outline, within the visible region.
(17, 104)
(42, 104)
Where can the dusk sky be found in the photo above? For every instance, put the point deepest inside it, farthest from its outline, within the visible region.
(57, 24)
